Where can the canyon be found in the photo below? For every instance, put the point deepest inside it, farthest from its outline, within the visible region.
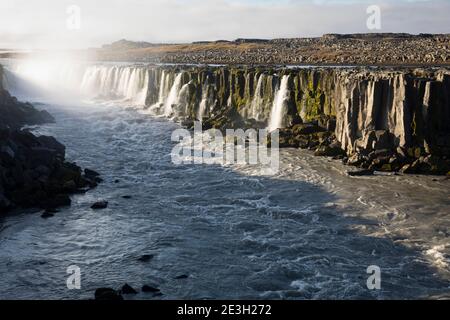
(228, 231)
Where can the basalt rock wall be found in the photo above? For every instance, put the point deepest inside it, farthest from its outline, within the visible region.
(366, 109)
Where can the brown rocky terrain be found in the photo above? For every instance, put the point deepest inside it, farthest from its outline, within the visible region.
(353, 49)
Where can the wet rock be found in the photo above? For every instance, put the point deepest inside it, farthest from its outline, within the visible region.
(91, 173)
(146, 257)
(5, 204)
(149, 289)
(306, 128)
(47, 215)
(33, 172)
(401, 152)
(407, 169)
(360, 173)
(332, 150)
(127, 289)
(100, 205)
(354, 160)
(59, 200)
(107, 294)
(70, 186)
(384, 140)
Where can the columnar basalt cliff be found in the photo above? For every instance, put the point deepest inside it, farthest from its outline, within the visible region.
(375, 118)
(380, 119)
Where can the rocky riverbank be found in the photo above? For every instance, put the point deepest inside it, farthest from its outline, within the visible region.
(33, 170)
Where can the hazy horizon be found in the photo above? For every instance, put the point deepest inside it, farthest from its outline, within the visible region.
(43, 25)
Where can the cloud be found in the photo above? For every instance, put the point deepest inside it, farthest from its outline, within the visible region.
(33, 24)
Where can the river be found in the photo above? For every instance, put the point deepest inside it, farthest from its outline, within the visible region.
(308, 232)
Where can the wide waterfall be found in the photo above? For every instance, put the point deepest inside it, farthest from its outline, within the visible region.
(278, 107)
(257, 101)
(173, 97)
(107, 82)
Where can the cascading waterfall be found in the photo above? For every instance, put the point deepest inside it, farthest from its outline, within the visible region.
(183, 101)
(162, 87)
(281, 97)
(129, 84)
(172, 99)
(203, 106)
(257, 100)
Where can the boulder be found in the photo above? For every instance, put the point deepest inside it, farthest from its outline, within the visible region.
(306, 128)
(88, 173)
(147, 288)
(100, 205)
(361, 173)
(127, 289)
(107, 294)
(146, 257)
(332, 150)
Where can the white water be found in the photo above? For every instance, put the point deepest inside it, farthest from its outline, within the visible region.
(173, 97)
(126, 83)
(204, 103)
(257, 101)
(278, 107)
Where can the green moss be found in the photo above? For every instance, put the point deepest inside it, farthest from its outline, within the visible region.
(313, 101)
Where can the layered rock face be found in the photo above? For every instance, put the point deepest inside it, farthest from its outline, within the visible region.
(387, 119)
(33, 170)
(380, 118)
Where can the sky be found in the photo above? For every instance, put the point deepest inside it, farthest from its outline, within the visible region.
(77, 24)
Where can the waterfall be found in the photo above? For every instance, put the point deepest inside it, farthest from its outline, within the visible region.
(172, 98)
(62, 79)
(162, 88)
(281, 97)
(129, 84)
(203, 107)
(257, 100)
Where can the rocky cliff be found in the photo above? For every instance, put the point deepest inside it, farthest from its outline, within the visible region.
(391, 119)
(382, 119)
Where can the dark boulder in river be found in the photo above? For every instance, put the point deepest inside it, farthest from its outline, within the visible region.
(107, 294)
(100, 205)
(127, 289)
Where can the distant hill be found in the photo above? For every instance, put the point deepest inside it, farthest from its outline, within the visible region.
(124, 44)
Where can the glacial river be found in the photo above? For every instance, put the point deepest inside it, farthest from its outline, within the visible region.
(309, 232)
(223, 232)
